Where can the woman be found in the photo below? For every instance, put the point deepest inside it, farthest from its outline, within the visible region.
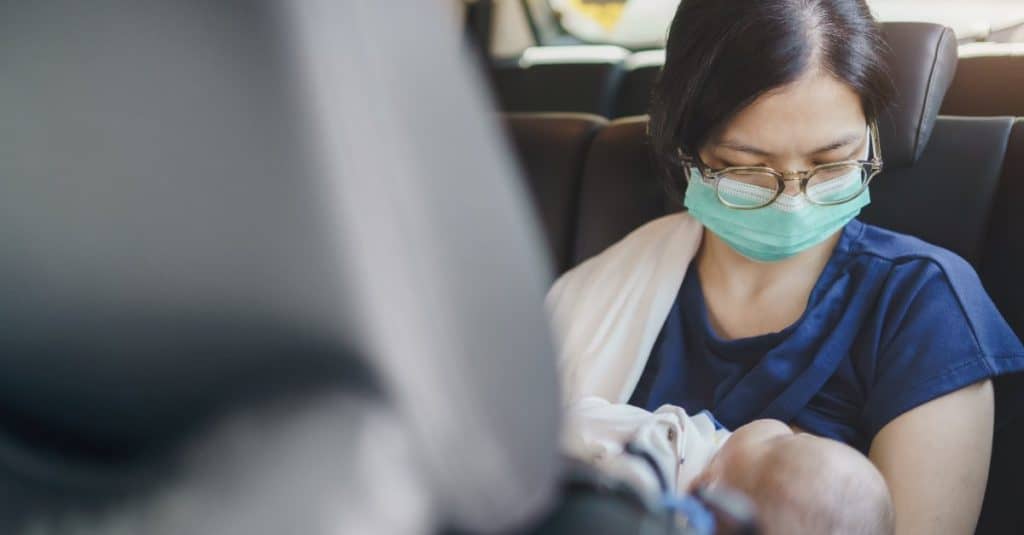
(768, 299)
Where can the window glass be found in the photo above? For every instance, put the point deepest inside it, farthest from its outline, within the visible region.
(644, 23)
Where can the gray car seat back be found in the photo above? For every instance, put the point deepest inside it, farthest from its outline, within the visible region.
(211, 207)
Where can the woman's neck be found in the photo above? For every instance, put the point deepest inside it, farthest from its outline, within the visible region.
(722, 267)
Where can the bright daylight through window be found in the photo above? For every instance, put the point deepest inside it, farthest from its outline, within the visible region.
(643, 23)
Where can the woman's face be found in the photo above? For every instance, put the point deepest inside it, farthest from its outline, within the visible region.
(812, 121)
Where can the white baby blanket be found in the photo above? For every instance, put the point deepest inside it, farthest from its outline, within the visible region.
(676, 447)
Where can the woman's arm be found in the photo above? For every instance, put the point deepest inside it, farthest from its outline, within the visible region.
(935, 460)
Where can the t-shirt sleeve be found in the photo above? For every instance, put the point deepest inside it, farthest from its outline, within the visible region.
(942, 333)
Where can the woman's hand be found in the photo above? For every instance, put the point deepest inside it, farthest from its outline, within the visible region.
(935, 460)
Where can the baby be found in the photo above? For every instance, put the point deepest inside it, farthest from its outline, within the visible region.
(801, 483)
(798, 482)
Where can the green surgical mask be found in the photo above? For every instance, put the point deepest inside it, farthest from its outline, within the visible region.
(780, 230)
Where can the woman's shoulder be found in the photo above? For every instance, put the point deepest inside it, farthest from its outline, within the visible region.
(604, 309)
(906, 254)
(935, 329)
(911, 274)
(676, 235)
(928, 289)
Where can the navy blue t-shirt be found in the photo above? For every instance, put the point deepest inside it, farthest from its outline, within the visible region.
(891, 323)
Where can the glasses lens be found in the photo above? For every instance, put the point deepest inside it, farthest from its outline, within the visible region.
(747, 189)
(834, 185)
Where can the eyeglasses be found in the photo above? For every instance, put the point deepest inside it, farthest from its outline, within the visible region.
(749, 188)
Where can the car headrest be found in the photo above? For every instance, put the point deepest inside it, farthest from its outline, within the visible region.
(922, 61)
(206, 204)
(162, 241)
(449, 268)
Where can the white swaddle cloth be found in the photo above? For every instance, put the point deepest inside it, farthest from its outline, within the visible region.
(607, 312)
(610, 436)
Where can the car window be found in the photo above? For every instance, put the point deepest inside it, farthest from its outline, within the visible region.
(644, 23)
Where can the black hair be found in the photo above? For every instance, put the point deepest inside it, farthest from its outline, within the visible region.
(721, 55)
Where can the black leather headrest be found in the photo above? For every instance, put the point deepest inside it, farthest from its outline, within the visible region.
(583, 79)
(552, 148)
(988, 82)
(922, 62)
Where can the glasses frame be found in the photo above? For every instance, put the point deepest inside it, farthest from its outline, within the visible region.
(873, 167)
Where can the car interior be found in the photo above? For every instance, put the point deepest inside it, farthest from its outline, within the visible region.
(193, 344)
(576, 117)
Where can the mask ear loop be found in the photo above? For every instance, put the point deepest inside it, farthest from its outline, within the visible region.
(685, 162)
(876, 148)
(874, 153)
(870, 150)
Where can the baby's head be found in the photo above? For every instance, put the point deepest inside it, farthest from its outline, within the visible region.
(802, 483)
